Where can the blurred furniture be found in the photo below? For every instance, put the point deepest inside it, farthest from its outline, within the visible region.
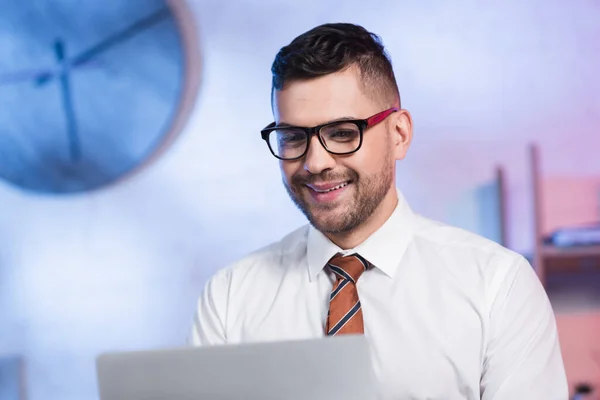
(482, 210)
(569, 272)
(562, 202)
(12, 378)
(583, 392)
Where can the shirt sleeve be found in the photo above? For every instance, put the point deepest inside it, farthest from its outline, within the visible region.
(523, 358)
(209, 325)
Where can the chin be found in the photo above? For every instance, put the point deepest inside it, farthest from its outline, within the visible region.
(332, 222)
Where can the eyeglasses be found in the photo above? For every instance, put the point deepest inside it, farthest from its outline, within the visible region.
(338, 137)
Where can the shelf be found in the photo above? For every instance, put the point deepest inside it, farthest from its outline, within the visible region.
(570, 252)
(570, 259)
(548, 259)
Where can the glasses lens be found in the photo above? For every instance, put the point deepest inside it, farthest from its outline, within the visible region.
(288, 143)
(342, 137)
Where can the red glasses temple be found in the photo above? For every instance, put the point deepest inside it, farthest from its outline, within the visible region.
(377, 118)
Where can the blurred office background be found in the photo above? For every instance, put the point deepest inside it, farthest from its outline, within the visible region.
(131, 166)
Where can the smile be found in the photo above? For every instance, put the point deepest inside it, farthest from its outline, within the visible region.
(325, 192)
(341, 185)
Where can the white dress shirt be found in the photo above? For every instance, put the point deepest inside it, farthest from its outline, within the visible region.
(448, 314)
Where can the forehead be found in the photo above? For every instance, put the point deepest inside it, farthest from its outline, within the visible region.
(319, 100)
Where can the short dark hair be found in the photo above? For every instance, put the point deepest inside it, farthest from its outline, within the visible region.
(331, 48)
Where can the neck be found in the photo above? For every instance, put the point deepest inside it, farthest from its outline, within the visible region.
(349, 240)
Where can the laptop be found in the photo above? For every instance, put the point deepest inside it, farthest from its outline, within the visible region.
(316, 369)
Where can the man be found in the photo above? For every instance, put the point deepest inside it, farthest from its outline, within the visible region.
(450, 315)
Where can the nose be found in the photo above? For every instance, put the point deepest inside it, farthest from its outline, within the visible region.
(317, 159)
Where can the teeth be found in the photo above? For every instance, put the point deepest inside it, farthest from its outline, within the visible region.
(334, 188)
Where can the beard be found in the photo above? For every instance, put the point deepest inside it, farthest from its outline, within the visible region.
(339, 217)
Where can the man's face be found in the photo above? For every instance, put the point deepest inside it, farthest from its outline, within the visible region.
(337, 193)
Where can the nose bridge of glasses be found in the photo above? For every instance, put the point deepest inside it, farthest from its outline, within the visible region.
(310, 132)
(317, 157)
(317, 131)
(314, 133)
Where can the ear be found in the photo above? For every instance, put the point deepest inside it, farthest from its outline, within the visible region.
(402, 132)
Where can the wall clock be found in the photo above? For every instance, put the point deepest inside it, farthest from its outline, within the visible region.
(91, 90)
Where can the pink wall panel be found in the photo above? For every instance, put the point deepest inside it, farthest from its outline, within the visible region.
(570, 201)
(580, 342)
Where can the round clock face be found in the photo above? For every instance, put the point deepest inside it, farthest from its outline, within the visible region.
(90, 90)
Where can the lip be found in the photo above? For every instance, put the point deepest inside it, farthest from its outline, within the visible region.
(321, 187)
(318, 194)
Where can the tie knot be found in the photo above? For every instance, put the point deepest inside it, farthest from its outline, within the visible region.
(348, 267)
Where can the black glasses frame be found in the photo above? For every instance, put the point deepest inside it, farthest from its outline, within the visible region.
(362, 125)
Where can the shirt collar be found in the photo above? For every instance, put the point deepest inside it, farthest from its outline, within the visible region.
(384, 248)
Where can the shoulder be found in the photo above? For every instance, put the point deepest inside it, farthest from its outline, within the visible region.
(481, 268)
(470, 256)
(447, 239)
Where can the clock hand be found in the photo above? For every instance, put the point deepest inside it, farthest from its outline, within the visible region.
(43, 78)
(65, 86)
(40, 76)
(26, 75)
(120, 36)
(86, 56)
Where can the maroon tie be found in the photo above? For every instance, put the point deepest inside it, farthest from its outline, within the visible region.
(345, 313)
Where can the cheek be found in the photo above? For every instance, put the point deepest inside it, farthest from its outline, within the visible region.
(381, 149)
(289, 169)
(371, 158)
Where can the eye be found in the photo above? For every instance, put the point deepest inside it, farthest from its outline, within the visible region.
(290, 137)
(342, 134)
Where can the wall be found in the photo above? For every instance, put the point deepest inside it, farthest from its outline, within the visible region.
(120, 268)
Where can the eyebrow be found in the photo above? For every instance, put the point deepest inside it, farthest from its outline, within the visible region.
(342, 119)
